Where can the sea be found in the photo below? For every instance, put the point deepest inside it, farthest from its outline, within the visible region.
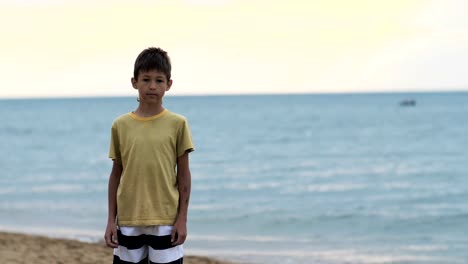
(304, 178)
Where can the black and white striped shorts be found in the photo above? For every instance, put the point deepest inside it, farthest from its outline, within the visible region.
(147, 244)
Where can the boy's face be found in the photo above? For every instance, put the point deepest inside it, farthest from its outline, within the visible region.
(151, 86)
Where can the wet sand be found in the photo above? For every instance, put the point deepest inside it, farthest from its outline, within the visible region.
(20, 248)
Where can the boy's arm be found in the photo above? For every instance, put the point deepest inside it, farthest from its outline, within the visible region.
(114, 181)
(184, 186)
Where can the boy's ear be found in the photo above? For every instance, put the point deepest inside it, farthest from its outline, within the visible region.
(134, 83)
(169, 84)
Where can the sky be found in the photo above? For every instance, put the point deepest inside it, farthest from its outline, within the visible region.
(59, 48)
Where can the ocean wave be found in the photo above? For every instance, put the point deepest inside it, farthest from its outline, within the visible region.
(396, 185)
(249, 239)
(49, 205)
(424, 248)
(321, 256)
(54, 188)
(54, 232)
(7, 190)
(239, 186)
(16, 131)
(284, 187)
(322, 188)
(58, 188)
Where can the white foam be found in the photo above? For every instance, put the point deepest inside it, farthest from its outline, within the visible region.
(49, 205)
(7, 190)
(328, 256)
(68, 233)
(209, 207)
(254, 186)
(396, 185)
(425, 248)
(320, 188)
(55, 188)
(58, 188)
(240, 186)
(248, 239)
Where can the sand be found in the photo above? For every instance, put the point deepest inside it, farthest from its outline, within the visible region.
(20, 248)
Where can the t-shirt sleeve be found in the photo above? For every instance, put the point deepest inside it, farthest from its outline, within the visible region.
(184, 139)
(114, 150)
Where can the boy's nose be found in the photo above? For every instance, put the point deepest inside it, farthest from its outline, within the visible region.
(152, 85)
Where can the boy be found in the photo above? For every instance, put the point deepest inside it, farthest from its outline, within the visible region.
(150, 182)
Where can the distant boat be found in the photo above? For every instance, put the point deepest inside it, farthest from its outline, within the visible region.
(410, 102)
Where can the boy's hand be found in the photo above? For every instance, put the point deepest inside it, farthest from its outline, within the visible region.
(179, 233)
(111, 236)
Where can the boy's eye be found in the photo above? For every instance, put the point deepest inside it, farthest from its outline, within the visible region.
(145, 80)
(159, 81)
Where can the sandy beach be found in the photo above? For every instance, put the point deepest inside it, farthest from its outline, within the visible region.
(20, 248)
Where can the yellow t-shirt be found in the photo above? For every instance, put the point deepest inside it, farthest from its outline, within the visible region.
(148, 149)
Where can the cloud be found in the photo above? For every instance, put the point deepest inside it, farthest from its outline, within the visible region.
(206, 2)
(235, 46)
(443, 15)
(426, 62)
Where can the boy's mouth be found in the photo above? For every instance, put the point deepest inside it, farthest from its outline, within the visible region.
(151, 94)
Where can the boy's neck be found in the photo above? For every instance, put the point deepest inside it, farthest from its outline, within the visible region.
(147, 110)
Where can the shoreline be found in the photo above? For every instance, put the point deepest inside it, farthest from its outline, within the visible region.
(19, 248)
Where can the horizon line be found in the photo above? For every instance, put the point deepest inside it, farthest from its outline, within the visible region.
(48, 97)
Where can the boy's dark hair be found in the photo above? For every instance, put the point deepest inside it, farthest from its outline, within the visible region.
(153, 59)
